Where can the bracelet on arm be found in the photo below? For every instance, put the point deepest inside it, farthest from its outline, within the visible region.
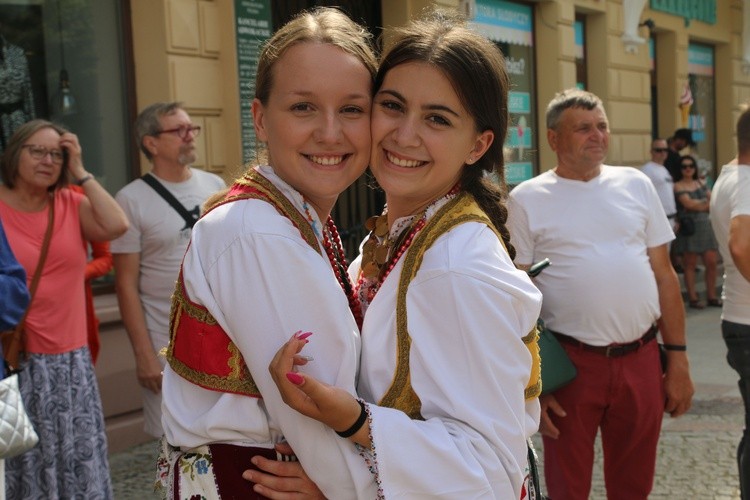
(357, 425)
(675, 347)
(83, 180)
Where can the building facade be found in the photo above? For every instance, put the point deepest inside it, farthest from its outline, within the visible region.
(658, 65)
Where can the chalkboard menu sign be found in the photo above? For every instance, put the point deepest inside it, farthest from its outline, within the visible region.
(253, 27)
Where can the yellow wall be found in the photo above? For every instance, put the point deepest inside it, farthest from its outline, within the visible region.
(621, 78)
(185, 50)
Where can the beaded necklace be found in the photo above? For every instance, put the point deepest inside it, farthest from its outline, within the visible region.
(368, 285)
(336, 256)
(335, 252)
(376, 266)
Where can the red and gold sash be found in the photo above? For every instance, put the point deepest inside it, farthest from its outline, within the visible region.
(199, 349)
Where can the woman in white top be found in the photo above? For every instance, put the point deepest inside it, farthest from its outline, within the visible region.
(266, 261)
(447, 367)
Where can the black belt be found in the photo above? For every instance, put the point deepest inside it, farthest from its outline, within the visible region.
(611, 350)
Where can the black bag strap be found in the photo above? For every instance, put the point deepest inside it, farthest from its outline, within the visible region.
(191, 217)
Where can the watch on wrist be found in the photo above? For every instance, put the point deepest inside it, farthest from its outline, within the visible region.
(83, 180)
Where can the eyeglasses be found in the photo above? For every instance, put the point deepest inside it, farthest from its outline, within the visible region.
(687, 165)
(660, 150)
(182, 131)
(40, 153)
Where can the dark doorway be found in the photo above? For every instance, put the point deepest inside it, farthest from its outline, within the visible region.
(360, 201)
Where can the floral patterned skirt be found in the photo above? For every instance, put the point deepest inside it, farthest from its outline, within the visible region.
(61, 396)
(209, 472)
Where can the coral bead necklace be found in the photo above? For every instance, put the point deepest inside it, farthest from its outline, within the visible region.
(335, 252)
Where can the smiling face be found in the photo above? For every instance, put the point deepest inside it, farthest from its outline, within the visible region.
(316, 122)
(422, 137)
(581, 141)
(40, 174)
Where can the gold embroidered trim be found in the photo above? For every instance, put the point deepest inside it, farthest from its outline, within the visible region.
(463, 208)
(534, 388)
(244, 386)
(193, 310)
(285, 207)
(239, 379)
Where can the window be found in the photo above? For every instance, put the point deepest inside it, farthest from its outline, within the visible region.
(700, 115)
(510, 26)
(579, 28)
(83, 38)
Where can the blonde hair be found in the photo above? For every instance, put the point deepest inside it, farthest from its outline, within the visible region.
(323, 25)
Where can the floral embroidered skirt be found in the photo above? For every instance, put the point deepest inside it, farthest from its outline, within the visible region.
(209, 472)
(61, 396)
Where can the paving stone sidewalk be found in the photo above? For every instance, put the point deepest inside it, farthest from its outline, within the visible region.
(696, 454)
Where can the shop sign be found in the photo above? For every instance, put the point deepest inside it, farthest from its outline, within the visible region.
(516, 173)
(578, 33)
(700, 10)
(253, 26)
(701, 85)
(510, 25)
(700, 59)
(504, 21)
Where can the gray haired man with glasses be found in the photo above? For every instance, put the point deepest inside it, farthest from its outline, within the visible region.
(147, 258)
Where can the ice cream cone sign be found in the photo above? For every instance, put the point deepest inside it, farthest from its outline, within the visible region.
(521, 130)
(686, 102)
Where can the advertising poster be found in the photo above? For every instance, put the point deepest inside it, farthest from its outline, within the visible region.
(253, 27)
(700, 116)
(510, 26)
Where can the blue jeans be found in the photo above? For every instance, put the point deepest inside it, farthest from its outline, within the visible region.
(737, 338)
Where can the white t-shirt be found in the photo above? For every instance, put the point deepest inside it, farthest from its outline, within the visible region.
(600, 287)
(664, 185)
(158, 233)
(730, 197)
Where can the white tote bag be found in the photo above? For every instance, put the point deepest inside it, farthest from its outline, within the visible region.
(17, 434)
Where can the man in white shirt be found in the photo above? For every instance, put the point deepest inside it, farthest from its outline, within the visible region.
(606, 234)
(661, 178)
(730, 218)
(147, 257)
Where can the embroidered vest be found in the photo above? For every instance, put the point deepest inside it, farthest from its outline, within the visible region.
(400, 395)
(199, 349)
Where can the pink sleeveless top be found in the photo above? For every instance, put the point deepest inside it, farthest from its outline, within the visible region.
(57, 320)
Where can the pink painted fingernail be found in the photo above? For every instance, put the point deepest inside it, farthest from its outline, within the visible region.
(295, 378)
(303, 336)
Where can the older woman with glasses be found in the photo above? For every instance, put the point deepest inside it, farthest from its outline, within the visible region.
(693, 197)
(57, 379)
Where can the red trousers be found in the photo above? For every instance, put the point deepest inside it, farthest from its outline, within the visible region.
(624, 398)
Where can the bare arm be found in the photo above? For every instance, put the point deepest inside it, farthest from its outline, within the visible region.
(692, 204)
(739, 243)
(148, 368)
(677, 383)
(101, 217)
